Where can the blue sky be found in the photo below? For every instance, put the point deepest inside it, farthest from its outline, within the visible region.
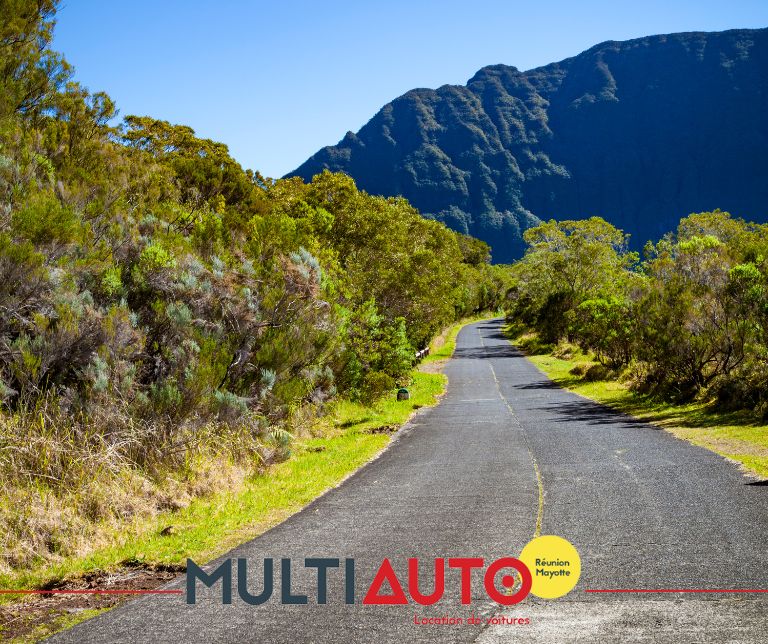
(278, 80)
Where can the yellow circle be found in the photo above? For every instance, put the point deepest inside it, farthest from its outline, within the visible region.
(554, 564)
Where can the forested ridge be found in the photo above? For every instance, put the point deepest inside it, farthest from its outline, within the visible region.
(641, 133)
(166, 316)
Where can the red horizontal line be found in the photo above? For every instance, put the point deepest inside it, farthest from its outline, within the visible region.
(676, 590)
(91, 592)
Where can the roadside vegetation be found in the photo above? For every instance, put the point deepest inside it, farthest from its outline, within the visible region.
(348, 436)
(173, 325)
(677, 335)
(152, 548)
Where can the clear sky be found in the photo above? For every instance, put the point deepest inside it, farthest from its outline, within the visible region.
(278, 80)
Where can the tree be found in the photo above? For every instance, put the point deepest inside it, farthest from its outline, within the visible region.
(30, 72)
(698, 316)
(566, 263)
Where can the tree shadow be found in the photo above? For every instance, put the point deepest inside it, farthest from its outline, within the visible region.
(538, 384)
(593, 413)
(353, 422)
(487, 353)
(496, 335)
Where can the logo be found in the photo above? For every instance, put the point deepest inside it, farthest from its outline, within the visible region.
(548, 567)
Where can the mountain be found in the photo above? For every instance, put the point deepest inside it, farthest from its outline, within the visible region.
(641, 132)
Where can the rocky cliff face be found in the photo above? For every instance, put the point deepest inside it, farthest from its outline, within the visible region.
(640, 132)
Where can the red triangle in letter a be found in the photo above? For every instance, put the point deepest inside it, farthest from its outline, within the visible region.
(385, 573)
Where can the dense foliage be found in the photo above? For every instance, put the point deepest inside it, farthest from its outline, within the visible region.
(689, 320)
(634, 131)
(156, 299)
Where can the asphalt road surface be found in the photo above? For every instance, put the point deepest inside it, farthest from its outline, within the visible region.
(644, 510)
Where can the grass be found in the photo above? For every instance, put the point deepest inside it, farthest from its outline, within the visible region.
(210, 526)
(735, 435)
(46, 630)
(349, 436)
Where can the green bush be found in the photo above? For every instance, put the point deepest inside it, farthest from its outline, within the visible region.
(690, 321)
(375, 385)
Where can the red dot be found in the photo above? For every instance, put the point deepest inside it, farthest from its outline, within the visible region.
(508, 581)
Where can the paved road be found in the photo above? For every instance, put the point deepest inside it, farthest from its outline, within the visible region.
(644, 509)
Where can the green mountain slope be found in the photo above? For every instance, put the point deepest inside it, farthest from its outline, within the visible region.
(641, 132)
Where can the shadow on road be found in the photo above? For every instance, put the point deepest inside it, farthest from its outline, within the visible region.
(577, 410)
(594, 414)
(487, 353)
(497, 335)
(538, 384)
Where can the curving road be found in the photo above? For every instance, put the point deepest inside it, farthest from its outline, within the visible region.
(505, 452)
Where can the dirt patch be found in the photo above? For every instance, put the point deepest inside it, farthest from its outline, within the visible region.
(435, 366)
(44, 614)
(384, 429)
(439, 341)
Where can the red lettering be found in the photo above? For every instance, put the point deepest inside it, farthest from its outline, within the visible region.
(385, 573)
(413, 582)
(490, 576)
(466, 564)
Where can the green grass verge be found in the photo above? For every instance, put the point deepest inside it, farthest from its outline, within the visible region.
(341, 442)
(735, 435)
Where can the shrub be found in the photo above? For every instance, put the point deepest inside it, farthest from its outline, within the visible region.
(597, 372)
(375, 385)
